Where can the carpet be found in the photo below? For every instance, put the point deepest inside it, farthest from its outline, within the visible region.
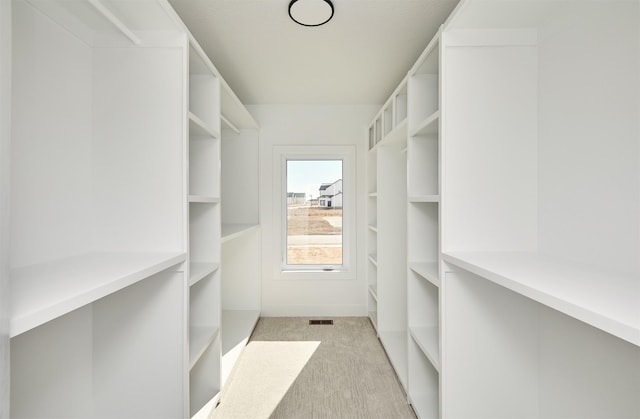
(293, 370)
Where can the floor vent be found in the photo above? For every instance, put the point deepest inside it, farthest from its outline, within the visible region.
(323, 322)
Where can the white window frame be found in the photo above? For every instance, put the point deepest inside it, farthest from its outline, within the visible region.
(281, 155)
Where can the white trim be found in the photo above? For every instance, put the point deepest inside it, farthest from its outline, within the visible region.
(317, 152)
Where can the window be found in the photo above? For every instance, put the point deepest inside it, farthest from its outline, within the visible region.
(314, 213)
(314, 209)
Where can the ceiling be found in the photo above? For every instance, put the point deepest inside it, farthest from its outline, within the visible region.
(359, 57)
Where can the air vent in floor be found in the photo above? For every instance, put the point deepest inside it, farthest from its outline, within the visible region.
(322, 322)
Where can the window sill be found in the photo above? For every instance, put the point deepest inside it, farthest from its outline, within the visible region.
(315, 274)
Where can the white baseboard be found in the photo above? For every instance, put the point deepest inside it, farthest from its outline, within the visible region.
(314, 310)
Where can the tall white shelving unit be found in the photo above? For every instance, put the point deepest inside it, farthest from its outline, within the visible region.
(97, 214)
(372, 227)
(116, 213)
(423, 232)
(5, 163)
(205, 340)
(523, 288)
(241, 292)
(541, 225)
(387, 228)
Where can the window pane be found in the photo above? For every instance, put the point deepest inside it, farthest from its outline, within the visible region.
(314, 212)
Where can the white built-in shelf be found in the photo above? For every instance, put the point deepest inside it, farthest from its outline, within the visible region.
(226, 123)
(43, 292)
(429, 342)
(233, 111)
(205, 411)
(233, 231)
(203, 199)
(397, 136)
(373, 195)
(427, 270)
(607, 300)
(199, 128)
(237, 326)
(374, 319)
(199, 270)
(427, 127)
(416, 199)
(373, 228)
(395, 344)
(424, 404)
(374, 259)
(373, 290)
(200, 338)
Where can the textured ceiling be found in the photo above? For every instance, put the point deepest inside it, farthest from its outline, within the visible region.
(359, 57)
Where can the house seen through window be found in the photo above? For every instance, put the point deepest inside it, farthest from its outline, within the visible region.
(314, 213)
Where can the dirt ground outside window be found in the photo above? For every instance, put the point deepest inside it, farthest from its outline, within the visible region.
(314, 235)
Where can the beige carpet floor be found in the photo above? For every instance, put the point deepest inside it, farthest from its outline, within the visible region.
(293, 370)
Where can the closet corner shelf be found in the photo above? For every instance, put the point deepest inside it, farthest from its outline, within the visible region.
(427, 270)
(203, 199)
(199, 270)
(198, 128)
(426, 337)
(427, 127)
(233, 231)
(417, 199)
(200, 338)
(46, 291)
(601, 298)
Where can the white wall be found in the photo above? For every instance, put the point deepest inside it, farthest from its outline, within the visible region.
(5, 135)
(590, 213)
(312, 125)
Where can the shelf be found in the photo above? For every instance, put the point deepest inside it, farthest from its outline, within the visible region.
(200, 337)
(373, 228)
(416, 199)
(374, 259)
(233, 231)
(233, 110)
(374, 319)
(199, 128)
(206, 410)
(427, 270)
(423, 405)
(428, 340)
(395, 344)
(429, 126)
(373, 290)
(237, 326)
(203, 199)
(43, 292)
(199, 270)
(228, 124)
(603, 299)
(397, 136)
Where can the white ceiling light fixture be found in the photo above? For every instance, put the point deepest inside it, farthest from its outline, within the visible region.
(311, 12)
